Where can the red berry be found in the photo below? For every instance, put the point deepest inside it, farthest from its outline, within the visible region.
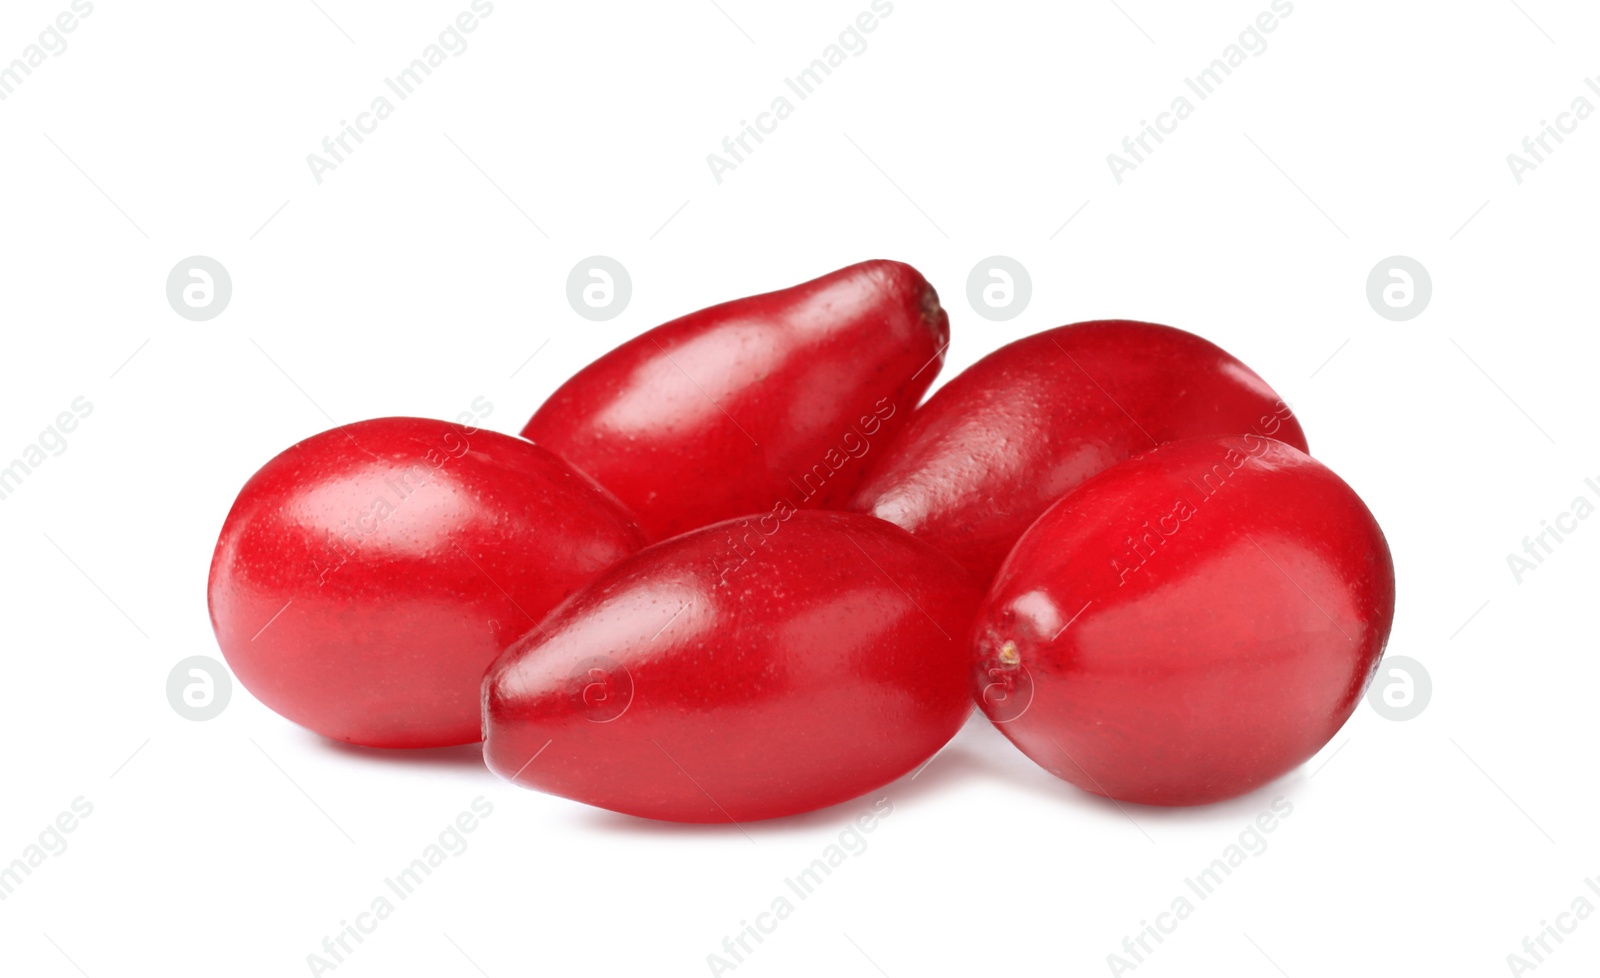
(751, 669)
(1015, 431)
(1189, 624)
(779, 396)
(366, 577)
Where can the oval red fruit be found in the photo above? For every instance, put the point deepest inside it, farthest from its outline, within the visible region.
(1188, 625)
(366, 577)
(1018, 429)
(773, 397)
(747, 670)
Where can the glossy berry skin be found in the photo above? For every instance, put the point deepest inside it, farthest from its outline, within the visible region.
(747, 670)
(1188, 625)
(1020, 428)
(367, 576)
(728, 410)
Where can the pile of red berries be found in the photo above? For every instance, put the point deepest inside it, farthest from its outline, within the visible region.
(732, 570)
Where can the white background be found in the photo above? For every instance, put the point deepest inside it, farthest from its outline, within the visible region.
(423, 271)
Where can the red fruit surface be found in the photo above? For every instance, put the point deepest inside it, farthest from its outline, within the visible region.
(728, 410)
(747, 670)
(366, 577)
(1020, 428)
(1188, 625)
